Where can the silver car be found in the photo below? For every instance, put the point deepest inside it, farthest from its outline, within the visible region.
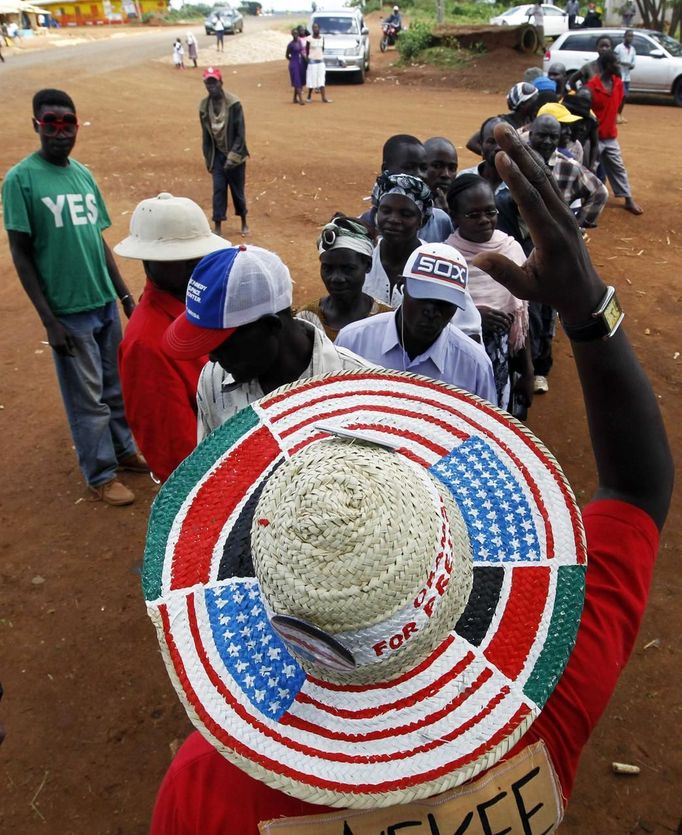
(658, 68)
(231, 18)
(346, 41)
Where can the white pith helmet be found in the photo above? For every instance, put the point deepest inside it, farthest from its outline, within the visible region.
(167, 228)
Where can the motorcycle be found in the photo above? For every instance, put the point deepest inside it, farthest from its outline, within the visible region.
(389, 36)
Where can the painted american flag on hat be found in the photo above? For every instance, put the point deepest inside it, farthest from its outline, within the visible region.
(461, 707)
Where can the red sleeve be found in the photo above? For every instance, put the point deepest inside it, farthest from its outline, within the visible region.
(160, 410)
(622, 542)
(204, 794)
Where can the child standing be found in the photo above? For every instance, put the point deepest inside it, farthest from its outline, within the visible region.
(178, 55)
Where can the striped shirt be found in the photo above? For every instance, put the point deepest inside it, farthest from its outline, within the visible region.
(219, 397)
(577, 183)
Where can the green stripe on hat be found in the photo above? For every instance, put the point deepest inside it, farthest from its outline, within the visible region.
(175, 491)
(563, 627)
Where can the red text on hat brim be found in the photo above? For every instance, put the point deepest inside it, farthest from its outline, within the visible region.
(185, 341)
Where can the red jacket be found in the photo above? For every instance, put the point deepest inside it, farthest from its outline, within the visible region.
(159, 393)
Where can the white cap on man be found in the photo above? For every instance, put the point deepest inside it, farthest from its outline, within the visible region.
(437, 271)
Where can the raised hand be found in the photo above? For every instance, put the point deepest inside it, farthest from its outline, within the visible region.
(559, 271)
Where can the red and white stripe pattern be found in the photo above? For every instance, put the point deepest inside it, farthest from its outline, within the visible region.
(430, 729)
(448, 715)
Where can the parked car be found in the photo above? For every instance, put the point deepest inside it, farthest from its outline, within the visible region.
(231, 18)
(346, 41)
(555, 19)
(658, 68)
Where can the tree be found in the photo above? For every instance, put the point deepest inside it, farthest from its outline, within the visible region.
(655, 12)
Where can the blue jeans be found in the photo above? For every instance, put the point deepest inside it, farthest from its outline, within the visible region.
(91, 391)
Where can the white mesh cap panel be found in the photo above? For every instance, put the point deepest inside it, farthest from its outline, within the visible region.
(259, 284)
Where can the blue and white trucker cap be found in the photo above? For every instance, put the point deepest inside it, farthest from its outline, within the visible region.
(228, 289)
(437, 271)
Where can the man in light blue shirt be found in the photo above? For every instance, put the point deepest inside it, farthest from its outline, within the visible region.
(418, 337)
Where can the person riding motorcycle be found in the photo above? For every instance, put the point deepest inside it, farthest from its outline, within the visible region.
(395, 20)
(391, 27)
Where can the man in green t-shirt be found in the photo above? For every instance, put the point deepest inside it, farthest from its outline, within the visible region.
(54, 216)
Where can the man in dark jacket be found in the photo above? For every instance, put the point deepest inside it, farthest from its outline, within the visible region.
(224, 146)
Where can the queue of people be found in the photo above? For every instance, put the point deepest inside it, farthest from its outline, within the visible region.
(419, 199)
(348, 528)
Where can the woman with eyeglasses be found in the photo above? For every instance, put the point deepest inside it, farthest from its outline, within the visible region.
(504, 318)
(345, 246)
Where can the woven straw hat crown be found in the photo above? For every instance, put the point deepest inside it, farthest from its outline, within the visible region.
(347, 537)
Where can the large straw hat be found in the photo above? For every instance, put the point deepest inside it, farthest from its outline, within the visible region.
(365, 586)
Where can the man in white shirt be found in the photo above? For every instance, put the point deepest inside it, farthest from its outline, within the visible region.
(219, 29)
(627, 57)
(418, 337)
(238, 311)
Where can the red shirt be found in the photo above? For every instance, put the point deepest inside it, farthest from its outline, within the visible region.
(605, 104)
(204, 794)
(159, 393)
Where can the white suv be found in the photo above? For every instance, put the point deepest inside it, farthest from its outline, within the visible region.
(659, 58)
(346, 41)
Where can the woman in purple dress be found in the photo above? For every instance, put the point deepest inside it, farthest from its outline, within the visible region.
(294, 54)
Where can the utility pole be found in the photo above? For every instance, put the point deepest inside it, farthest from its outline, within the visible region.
(440, 11)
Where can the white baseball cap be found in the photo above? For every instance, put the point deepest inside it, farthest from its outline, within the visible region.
(167, 228)
(437, 271)
(228, 289)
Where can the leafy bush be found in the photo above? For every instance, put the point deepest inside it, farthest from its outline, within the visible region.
(471, 12)
(413, 40)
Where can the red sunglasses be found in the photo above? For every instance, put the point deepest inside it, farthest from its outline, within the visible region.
(51, 124)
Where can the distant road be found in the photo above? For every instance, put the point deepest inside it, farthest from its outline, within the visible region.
(125, 49)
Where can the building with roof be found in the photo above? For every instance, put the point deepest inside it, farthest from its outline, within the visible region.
(102, 12)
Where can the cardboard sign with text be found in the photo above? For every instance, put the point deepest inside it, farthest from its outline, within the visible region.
(521, 796)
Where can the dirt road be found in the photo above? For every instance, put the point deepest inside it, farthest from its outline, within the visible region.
(100, 49)
(88, 708)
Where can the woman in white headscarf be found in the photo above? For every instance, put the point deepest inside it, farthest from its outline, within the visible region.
(345, 248)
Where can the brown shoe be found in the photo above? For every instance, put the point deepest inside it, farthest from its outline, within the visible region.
(134, 463)
(113, 493)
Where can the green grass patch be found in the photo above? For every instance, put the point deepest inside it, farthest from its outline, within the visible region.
(463, 14)
(443, 57)
(416, 44)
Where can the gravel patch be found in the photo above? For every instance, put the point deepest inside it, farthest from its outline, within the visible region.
(249, 48)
